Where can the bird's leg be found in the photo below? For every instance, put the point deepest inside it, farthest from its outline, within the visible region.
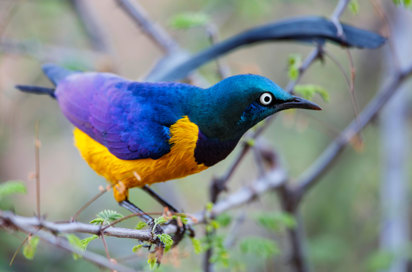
(159, 199)
(164, 203)
(144, 216)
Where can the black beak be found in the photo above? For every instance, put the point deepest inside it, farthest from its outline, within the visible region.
(299, 103)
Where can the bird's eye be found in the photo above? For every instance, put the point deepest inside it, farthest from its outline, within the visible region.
(265, 99)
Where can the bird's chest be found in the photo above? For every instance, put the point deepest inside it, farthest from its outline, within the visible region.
(177, 163)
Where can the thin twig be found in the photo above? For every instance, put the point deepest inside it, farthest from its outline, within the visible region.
(312, 175)
(152, 30)
(223, 70)
(88, 203)
(337, 13)
(37, 145)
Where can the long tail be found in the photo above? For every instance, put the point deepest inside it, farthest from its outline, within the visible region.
(36, 90)
(55, 73)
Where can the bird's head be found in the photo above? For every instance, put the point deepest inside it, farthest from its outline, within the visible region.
(232, 106)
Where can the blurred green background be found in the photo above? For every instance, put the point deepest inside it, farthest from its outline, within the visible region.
(341, 215)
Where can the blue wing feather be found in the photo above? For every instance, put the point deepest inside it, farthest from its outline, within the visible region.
(131, 119)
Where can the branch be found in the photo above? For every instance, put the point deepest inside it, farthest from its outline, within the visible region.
(313, 174)
(152, 30)
(90, 25)
(49, 53)
(32, 226)
(8, 219)
(305, 29)
(269, 182)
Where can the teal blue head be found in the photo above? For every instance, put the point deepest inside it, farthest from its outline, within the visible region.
(232, 106)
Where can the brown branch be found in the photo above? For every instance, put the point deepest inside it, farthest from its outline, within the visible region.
(323, 163)
(37, 145)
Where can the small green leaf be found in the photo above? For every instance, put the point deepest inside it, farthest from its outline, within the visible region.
(182, 217)
(405, 3)
(250, 142)
(354, 6)
(85, 242)
(379, 261)
(294, 63)
(276, 221)
(12, 187)
(97, 221)
(259, 247)
(307, 91)
(166, 240)
(224, 219)
(29, 249)
(160, 220)
(189, 20)
(106, 217)
(141, 225)
(137, 247)
(197, 246)
(209, 206)
(151, 260)
(76, 243)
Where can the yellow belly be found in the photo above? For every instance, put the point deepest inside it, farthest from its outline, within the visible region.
(179, 162)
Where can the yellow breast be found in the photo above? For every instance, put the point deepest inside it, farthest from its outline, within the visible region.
(179, 162)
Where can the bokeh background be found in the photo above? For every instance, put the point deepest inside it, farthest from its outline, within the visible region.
(342, 214)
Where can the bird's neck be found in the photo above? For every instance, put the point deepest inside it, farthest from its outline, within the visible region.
(209, 111)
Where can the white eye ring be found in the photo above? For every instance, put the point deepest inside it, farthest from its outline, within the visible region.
(265, 99)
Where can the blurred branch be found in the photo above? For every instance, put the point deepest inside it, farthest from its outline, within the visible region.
(90, 25)
(303, 29)
(269, 182)
(49, 53)
(34, 226)
(152, 30)
(337, 13)
(312, 175)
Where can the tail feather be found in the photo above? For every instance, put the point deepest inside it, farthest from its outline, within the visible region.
(56, 73)
(36, 90)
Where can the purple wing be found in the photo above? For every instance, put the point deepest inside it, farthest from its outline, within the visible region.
(117, 113)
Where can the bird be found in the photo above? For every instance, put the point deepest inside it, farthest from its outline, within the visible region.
(135, 133)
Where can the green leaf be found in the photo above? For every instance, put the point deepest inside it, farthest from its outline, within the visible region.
(209, 206)
(189, 20)
(260, 247)
(294, 63)
(354, 6)
(166, 240)
(276, 221)
(379, 261)
(12, 187)
(307, 91)
(160, 220)
(76, 243)
(137, 247)
(106, 216)
(151, 260)
(197, 246)
(224, 219)
(182, 217)
(85, 242)
(29, 249)
(141, 225)
(220, 254)
(405, 3)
